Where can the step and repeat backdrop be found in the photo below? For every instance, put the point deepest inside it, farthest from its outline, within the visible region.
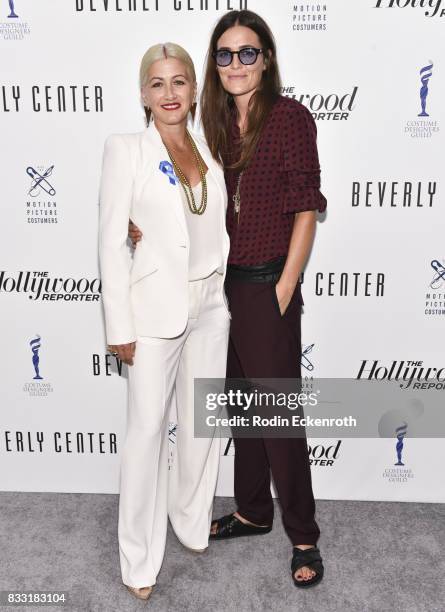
(372, 72)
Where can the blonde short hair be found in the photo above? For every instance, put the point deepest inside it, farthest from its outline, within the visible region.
(165, 51)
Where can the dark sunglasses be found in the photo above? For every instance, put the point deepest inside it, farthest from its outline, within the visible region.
(247, 56)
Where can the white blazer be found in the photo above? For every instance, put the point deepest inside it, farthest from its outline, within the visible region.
(147, 295)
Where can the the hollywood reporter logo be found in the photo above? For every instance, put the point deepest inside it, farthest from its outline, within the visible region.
(324, 456)
(333, 107)
(409, 374)
(41, 286)
(320, 455)
(433, 8)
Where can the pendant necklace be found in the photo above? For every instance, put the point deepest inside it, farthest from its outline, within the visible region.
(237, 196)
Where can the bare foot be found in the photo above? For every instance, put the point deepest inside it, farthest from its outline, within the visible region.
(214, 525)
(304, 573)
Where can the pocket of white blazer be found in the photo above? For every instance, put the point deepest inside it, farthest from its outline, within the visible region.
(144, 264)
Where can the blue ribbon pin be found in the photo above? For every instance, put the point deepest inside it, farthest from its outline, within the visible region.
(167, 168)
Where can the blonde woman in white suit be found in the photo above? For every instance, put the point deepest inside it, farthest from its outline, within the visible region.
(166, 313)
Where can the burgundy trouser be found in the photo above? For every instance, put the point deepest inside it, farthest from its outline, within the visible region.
(264, 344)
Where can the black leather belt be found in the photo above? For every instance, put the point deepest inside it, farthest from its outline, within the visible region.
(263, 273)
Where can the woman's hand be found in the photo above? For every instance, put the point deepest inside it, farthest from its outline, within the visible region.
(125, 352)
(134, 233)
(284, 296)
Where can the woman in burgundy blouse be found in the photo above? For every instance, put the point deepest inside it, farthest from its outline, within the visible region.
(268, 146)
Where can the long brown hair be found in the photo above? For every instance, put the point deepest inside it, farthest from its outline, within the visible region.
(217, 105)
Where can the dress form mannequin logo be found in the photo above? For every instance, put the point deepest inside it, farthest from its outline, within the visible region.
(325, 107)
(400, 434)
(435, 295)
(12, 14)
(35, 346)
(13, 28)
(424, 126)
(40, 209)
(37, 388)
(432, 8)
(309, 16)
(399, 473)
(395, 425)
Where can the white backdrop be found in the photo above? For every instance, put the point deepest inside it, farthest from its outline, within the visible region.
(69, 77)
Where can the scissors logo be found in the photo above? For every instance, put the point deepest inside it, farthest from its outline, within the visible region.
(172, 432)
(305, 362)
(439, 276)
(40, 182)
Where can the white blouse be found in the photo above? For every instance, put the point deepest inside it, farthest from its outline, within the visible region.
(205, 232)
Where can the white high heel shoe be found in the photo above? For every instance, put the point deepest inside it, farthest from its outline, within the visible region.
(140, 593)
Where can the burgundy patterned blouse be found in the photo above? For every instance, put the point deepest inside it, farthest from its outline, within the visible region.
(282, 178)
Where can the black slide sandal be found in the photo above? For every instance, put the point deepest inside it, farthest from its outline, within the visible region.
(230, 527)
(310, 558)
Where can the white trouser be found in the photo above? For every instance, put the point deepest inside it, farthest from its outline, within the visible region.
(163, 373)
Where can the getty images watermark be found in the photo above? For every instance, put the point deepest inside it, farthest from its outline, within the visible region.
(258, 400)
(319, 408)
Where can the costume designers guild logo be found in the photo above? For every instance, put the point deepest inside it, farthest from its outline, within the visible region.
(37, 388)
(399, 472)
(424, 126)
(309, 16)
(14, 28)
(40, 206)
(435, 295)
(396, 424)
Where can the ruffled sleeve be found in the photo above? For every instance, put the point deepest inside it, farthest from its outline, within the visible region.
(299, 163)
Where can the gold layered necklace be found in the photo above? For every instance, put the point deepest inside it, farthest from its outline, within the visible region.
(185, 182)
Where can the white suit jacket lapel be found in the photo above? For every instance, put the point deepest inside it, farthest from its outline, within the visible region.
(153, 138)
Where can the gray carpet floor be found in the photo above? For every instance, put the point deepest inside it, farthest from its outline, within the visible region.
(378, 557)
